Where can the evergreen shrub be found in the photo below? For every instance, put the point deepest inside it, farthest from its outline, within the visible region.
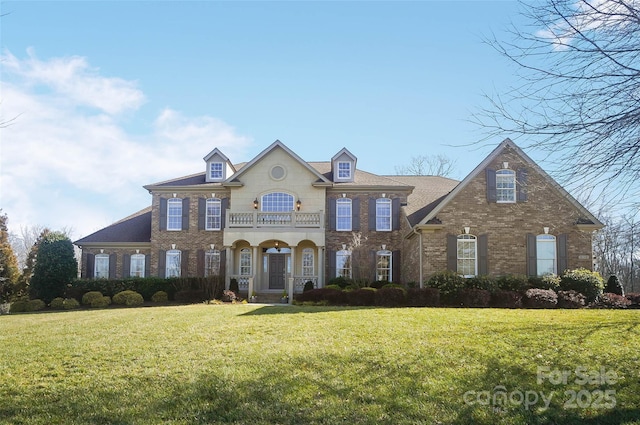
(588, 283)
(423, 297)
(391, 296)
(540, 298)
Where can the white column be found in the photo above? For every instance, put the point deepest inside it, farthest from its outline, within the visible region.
(320, 282)
(229, 265)
(293, 273)
(254, 264)
(250, 287)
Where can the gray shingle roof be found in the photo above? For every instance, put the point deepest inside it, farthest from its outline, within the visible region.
(427, 193)
(135, 228)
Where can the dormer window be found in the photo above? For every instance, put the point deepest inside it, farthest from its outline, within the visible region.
(344, 170)
(343, 166)
(216, 171)
(218, 167)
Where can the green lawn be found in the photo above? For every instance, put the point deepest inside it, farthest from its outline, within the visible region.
(251, 364)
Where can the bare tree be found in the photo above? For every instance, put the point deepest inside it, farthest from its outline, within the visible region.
(579, 96)
(427, 165)
(616, 248)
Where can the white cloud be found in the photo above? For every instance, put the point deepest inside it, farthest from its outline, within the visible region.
(68, 166)
(76, 82)
(585, 16)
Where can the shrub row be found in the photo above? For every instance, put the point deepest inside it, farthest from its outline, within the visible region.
(387, 296)
(452, 285)
(189, 289)
(390, 296)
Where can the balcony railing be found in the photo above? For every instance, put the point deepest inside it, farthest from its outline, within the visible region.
(272, 219)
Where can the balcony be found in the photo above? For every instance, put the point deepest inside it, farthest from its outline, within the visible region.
(258, 219)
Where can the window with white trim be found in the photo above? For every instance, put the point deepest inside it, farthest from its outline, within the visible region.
(505, 186)
(546, 254)
(277, 202)
(383, 266)
(343, 263)
(467, 255)
(343, 214)
(174, 214)
(245, 262)
(174, 261)
(137, 265)
(101, 268)
(212, 262)
(213, 214)
(383, 214)
(216, 171)
(344, 170)
(307, 262)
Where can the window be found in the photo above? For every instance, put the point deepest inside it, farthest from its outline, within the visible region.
(277, 202)
(173, 263)
(467, 255)
(137, 265)
(383, 266)
(174, 214)
(506, 186)
(216, 171)
(212, 263)
(245, 262)
(343, 214)
(213, 212)
(344, 170)
(343, 263)
(102, 266)
(546, 254)
(307, 262)
(383, 214)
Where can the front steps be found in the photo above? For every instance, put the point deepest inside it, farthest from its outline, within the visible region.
(269, 297)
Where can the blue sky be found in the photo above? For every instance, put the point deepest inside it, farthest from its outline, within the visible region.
(109, 96)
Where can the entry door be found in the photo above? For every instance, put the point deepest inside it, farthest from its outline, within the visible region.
(276, 270)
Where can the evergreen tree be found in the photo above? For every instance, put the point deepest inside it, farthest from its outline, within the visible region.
(9, 272)
(613, 286)
(22, 287)
(55, 267)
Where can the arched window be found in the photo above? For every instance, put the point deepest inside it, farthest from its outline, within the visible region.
(343, 263)
(505, 186)
(214, 211)
(245, 262)
(174, 214)
(308, 268)
(173, 263)
(383, 266)
(136, 266)
(101, 270)
(467, 255)
(383, 214)
(277, 202)
(343, 214)
(212, 262)
(546, 254)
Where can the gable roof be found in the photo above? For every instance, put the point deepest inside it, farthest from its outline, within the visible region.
(490, 158)
(216, 151)
(428, 192)
(344, 151)
(277, 144)
(133, 229)
(361, 178)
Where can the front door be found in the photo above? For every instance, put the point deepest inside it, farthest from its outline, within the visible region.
(276, 271)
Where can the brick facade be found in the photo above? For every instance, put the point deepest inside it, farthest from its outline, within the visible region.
(418, 240)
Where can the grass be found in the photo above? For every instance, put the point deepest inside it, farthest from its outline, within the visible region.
(241, 364)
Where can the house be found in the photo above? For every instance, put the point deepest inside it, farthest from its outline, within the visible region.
(278, 221)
